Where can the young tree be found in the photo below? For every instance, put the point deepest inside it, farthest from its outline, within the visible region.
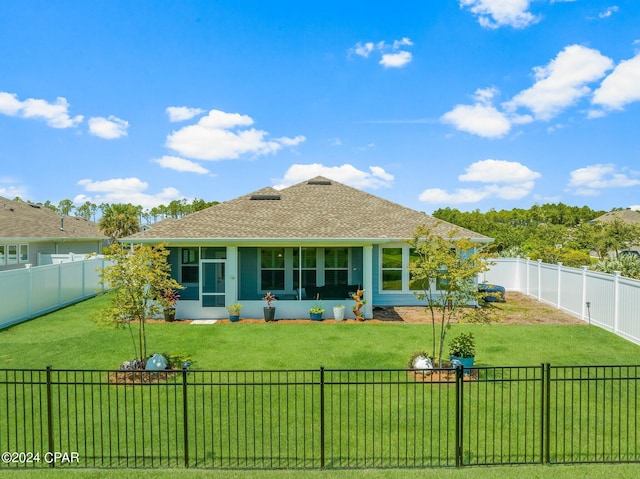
(138, 277)
(443, 272)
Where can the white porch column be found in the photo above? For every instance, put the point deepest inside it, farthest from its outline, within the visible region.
(367, 278)
(231, 276)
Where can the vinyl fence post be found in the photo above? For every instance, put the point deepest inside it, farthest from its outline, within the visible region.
(322, 425)
(185, 415)
(49, 415)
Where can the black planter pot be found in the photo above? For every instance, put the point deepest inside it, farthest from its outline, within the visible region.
(170, 314)
(269, 313)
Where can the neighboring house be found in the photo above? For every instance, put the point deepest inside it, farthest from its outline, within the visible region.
(318, 238)
(28, 230)
(628, 216)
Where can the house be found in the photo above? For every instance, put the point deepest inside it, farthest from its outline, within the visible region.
(28, 231)
(316, 239)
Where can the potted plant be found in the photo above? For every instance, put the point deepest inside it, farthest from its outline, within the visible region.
(315, 312)
(338, 312)
(169, 299)
(269, 311)
(463, 349)
(234, 312)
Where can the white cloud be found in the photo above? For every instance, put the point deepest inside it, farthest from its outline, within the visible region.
(56, 114)
(395, 60)
(362, 49)
(588, 181)
(10, 189)
(182, 113)
(608, 12)
(478, 119)
(218, 136)
(505, 180)
(498, 171)
(392, 56)
(621, 87)
(461, 195)
(181, 165)
(108, 128)
(497, 13)
(124, 190)
(376, 177)
(562, 82)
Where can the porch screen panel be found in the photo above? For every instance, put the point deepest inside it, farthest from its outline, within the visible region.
(336, 266)
(272, 269)
(304, 267)
(190, 273)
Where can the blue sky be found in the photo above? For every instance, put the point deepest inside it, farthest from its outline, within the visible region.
(469, 104)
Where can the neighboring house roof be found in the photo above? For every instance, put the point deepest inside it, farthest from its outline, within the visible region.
(319, 208)
(627, 216)
(24, 221)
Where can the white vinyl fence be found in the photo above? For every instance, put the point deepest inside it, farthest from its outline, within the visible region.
(606, 300)
(30, 292)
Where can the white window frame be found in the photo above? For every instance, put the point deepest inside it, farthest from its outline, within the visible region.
(406, 276)
(13, 260)
(26, 256)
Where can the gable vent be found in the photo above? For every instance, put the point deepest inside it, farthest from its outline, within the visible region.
(319, 182)
(265, 197)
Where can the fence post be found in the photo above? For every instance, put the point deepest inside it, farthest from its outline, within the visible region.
(322, 425)
(616, 301)
(559, 279)
(49, 415)
(546, 458)
(185, 412)
(459, 413)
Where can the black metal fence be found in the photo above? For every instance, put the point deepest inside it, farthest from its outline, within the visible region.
(319, 418)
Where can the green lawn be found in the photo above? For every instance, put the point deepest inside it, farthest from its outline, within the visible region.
(70, 339)
(599, 471)
(392, 419)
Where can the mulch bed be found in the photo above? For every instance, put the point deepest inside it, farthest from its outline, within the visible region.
(140, 377)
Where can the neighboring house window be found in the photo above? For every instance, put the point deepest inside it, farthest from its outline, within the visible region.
(336, 266)
(12, 254)
(3, 258)
(24, 253)
(304, 267)
(272, 269)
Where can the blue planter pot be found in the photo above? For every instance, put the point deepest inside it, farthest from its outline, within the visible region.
(316, 316)
(234, 318)
(467, 363)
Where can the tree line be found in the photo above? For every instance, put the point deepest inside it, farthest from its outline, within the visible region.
(552, 233)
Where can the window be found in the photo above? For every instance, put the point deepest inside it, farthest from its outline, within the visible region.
(24, 253)
(272, 269)
(336, 266)
(3, 258)
(12, 254)
(189, 265)
(392, 269)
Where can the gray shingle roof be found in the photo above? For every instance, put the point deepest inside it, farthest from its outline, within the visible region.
(315, 209)
(627, 216)
(26, 221)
